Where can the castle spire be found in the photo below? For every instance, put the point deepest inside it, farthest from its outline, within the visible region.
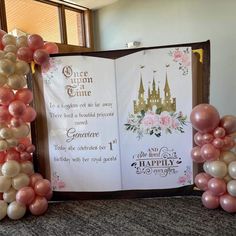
(167, 88)
(141, 88)
(153, 84)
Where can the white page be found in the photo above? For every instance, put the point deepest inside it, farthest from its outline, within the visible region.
(148, 161)
(81, 116)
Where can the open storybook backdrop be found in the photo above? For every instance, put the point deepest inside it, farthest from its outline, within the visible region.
(116, 123)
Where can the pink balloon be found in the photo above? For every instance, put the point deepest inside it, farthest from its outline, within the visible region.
(207, 138)
(42, 187)
(209, 152)
(49, 195)
(51, 48)
(218, 143)
(4, 114)
(40, 56)
(201, 180)
(34, 178)
(30, 148)
(217, 186)
(219, 132)
(6, 96)
(228, 123)
(38, 206)
(35, 41)
(228, 203)
(196, 155)
(17, 108)
(198, 139)
(25, 95)
(25, 156)
(210, 201)
(205, 118)
(25, 195)
(20, 147)
(2, 157)
(25, 54)
(12, 155)
(228, 143)
(29, 115)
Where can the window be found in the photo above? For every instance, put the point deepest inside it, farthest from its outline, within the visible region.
(54, 21)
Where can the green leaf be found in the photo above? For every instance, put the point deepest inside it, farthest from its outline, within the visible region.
(158, 111)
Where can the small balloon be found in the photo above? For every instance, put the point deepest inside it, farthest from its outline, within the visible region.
(10, 48)
(217, 186)
(12, 155)
(21, 131)
(5, 184)
(22, 67)
(10, 195)
(25, 54)
(20, 181)
(42, 187)
(3, 209)
(232, 169)
(218, 169)
(17, 108)
(16, 81)
(25, 95)
(218, 143)
(4, 114)
(40, 56)
(201, 180)
(228, 203)
(196, 155)
(204, 118)
(25, 196)
(207, 138)
(35, 41)
(219, 132)
(3, 79)
(51, 48)
(16, 210)
(6, 96)
(29, 115)
(10, 56)
(198, 139)
(209, 152)
(34, 178)
(210, 201)
(27, 168)
(16, 122)
(229, 143)
(7, 67)
(21, 41)
(49, 195)
(231, 187)
(38, 206)
(8, 39)
(228, 123)
(11, 168)
(227, 157)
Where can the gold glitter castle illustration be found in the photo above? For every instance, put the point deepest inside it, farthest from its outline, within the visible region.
(154, 101)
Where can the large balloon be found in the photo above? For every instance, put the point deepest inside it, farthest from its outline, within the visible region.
(228, 203)
(35, 41)
(205, 118)
(209, 200)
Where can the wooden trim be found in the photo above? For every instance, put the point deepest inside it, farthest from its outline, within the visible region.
(88, 26)
(3, 20)
(67, 48)
(62, 21)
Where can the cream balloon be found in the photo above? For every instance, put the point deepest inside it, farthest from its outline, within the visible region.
(3, 209)
(11, 168)
(8, 39)
(3, 79)
(13, 142)
(21, 131)
(227, 157)
(5, 184)
(22, 68)
(16, 81)
(231, 188)
(218, 169)
(22, 41)
(10, 195)
(3, 145)
(10, 56)
(206, 166)
(232, 169)
(7, 67)
(27, 168)
(10, 48)
(16, 210)
(20, 181)
(6, 133)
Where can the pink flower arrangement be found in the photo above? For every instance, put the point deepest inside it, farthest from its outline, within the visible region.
(150, 120)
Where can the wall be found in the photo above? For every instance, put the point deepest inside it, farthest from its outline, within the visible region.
(162, 22)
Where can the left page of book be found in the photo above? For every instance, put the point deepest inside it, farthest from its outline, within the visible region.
(81, 114)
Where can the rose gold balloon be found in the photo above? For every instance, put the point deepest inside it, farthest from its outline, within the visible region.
(201, 181)
(228, 203)
(207, 138)
(24, 95)
(49, 195)
(209, 152)
(198, 139)
(6, 96)
(25, 195)
(219, 132)
(196, 155)
(30, 148)
(217, 186)
(29, 115)
(229, 143)
(210, 201)
(205, 118)
(38, 206)
(228, 123)
(42, 187)
(34, 178)
(17, 108)
(218, 143)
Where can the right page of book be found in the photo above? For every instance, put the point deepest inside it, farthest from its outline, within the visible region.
(154, 91)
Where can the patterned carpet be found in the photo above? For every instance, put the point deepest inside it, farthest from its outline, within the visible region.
(156, 216)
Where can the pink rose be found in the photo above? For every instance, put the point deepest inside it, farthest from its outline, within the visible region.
(150, 120)
(185, 60)
(165, 119)
(177, 55)
(61, 184)
(175, 123)
(182, 180)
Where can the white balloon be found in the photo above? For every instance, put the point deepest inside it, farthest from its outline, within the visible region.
(21, 131)
(5, 184)
(16, 81)
(206, 166)
(16, 210)
(3, 145)
(218, 169)
(227, 157)
(12, 142)
(10, 48)
(7, 67)
(27, 168)
(10, 195)
(20, 181)
(6, 133)
(22, 68)
(231, 188)
(3, 209)
(11, 168)
(232, 169)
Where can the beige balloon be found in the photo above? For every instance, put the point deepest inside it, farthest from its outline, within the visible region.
(15, 210)
(206, 166)
(20, 181)
(8, 39)
(10, 48)
(11, 56)
(13, 142)
(232, 169)
(6, 133)
(227, 157)
(3, 145)
(5, 184)
(21, 131)
(27, 168)
(22, 41)
(218, 169)
(3, 209)
(231, 188)
(16, 81)
(3, 79)
(10, 195)
(11, 168)
(22, 68)
(7, 67)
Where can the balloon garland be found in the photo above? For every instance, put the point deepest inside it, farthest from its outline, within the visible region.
(215, 143)
(20, 187)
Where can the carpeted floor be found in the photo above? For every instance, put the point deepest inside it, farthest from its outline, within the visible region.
(156, 216)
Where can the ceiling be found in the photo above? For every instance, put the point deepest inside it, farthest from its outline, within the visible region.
(92, 4)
